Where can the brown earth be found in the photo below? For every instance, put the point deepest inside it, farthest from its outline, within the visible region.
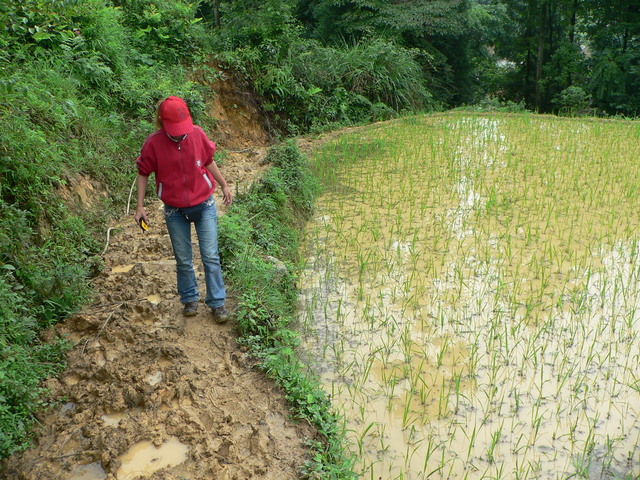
(144, 380)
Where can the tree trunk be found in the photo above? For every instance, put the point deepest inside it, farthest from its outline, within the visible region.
(574, 15)
(572, 34)
(216, 12)
(540, 56)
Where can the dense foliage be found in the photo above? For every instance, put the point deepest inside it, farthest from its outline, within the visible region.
(77, 88)
(569, 56)
(322, 61)
(79, 80)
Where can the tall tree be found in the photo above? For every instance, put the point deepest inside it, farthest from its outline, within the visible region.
(338, 20)
(544, 48)
(613, 29)
(248, 22)
(543, 19)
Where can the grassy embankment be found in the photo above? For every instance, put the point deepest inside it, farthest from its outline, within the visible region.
(259, 245)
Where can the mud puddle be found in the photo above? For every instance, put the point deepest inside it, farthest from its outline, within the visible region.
(145, 458)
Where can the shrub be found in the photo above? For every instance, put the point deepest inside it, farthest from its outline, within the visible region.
(39, 24)
(164, 30)
(573, 101)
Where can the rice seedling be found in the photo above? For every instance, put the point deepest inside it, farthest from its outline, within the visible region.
(471, 296)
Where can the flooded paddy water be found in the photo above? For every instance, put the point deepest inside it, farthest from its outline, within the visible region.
(472, 300)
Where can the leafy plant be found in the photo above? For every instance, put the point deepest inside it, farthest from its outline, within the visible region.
(308, 85)
(164, 30)
(573, 101)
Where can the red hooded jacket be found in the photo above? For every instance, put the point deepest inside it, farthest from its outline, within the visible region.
(182, 177)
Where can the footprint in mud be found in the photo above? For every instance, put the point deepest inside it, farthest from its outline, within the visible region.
(114, 419)
(92, 471)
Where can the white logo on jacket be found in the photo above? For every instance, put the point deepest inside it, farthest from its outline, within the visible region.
(198, 163)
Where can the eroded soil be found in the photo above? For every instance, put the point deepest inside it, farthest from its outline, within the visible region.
(151, 394)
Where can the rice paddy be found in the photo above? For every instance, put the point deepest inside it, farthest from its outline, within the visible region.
(472, 298)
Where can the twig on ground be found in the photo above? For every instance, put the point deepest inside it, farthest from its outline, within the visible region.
(101, 328)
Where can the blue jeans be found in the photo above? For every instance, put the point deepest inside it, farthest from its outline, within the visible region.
(205, 219)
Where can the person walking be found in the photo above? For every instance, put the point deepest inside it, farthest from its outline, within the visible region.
(180, 155)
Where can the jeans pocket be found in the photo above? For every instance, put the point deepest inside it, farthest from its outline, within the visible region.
(169, 212)
(193, 214)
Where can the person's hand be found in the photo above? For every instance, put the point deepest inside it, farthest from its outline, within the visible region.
(141, 213)
(227, 195)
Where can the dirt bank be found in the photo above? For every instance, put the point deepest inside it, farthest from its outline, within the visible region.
(151, 394)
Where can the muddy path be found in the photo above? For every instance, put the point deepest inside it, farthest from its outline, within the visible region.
(151, 394)
(143, 378)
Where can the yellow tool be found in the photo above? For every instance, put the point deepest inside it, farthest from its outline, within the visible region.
(143, 225)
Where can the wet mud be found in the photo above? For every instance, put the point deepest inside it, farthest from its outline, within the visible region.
(151, 394)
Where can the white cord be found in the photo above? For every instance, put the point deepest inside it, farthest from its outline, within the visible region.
(127, 213)
(130, 194)
(107, 245)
